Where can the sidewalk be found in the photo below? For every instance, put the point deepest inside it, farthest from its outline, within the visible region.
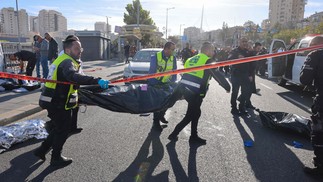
(15, 106)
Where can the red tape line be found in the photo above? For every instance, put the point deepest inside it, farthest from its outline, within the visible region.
(173, 72)
(23, 77)
(217, 64)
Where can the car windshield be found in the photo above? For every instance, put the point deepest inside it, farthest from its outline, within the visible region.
(143, 56)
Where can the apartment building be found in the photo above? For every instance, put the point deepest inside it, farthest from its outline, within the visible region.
(9, 22)
(51, 21)
(286, 12)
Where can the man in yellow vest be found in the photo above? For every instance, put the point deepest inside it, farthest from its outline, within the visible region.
(60, 99)
(194, 86)
(161, 62)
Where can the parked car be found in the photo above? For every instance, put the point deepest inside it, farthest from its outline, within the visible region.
(140, 63)
(288, 68)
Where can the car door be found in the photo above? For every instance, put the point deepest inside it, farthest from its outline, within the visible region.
(277, 65)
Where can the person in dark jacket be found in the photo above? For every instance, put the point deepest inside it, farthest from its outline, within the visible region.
(186, 53)
(195, 86)
(28, 56)
(53, 48)
(60, 99)
(312, 72)
(241, 76)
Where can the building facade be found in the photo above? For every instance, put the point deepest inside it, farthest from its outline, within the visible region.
(9, 22)
(100, 26)
(286, 12)
(51, 21)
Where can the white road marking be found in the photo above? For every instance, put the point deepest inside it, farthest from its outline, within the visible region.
(266, 86)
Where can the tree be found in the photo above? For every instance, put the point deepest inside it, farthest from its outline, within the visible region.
(144, 18)
(131, 17)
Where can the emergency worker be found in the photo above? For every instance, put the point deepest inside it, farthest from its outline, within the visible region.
(241, 76)
(60, 99)
(194, 86)
(312, 72)
(161, 62)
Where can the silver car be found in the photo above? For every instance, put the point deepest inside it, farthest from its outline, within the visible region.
(140, 63)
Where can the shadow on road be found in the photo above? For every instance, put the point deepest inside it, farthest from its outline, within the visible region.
(21, 167)
(270, 157)
(178, 169)
(143, 166)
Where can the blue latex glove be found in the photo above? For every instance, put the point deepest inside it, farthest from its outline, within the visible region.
(104, 83)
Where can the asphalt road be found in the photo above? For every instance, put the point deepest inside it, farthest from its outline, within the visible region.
(122, 147)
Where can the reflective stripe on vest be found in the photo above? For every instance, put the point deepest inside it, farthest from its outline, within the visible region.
(164, 65)
(49, 89)
(193, 84)
(194, 61)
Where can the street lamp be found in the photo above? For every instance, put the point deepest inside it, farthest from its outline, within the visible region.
(167, 19)
(180, 34)
(108, 26)
(18, 25)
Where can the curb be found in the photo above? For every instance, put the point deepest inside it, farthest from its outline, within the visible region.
(19, 113)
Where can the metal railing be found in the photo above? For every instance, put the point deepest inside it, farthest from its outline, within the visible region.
(8, 48)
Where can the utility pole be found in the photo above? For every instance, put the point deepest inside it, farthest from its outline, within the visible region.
(167, 19)
(18, 27)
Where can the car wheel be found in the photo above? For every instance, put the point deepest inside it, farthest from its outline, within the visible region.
(282, 82)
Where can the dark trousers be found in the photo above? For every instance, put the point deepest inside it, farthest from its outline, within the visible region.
(58, 136)
(244, 83)
(74, 118)
(158, 116)
(252, 89)
(31, 66)
(193, 112)
(317, 131)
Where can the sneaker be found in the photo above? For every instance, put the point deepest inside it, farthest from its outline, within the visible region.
(235, 111)
(163, 120)
(317, 171)
(198, 140)
(172, 137)
(61, 161)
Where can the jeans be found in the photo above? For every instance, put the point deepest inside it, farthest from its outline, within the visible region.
(44, 64)
(38, 67)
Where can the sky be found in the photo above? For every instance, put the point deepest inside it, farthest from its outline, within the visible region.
(82, 14)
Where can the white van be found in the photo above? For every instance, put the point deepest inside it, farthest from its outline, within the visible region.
(1, 59)
(288, 68)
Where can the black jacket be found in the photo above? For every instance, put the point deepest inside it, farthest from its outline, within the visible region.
(53, 49)
(313, 71)
(243, 69)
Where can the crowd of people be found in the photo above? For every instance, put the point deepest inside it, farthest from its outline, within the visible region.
(61, 100)
(45, 51)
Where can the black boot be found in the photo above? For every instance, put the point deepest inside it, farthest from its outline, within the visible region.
(163, 120)
(60, 161)
(172, 137)
(316, 171)
(197, 139)
(41, 152)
